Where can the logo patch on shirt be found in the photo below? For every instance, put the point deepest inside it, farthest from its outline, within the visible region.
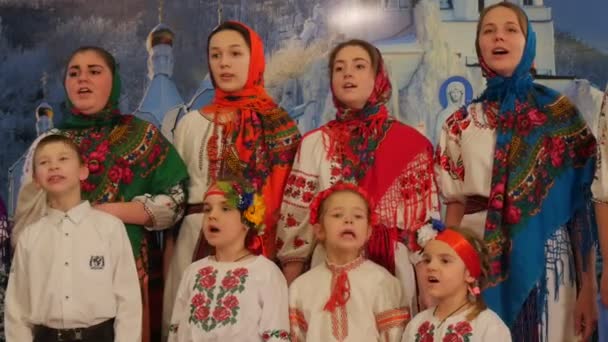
(97, 262)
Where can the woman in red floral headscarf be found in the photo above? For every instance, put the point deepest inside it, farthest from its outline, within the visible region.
(242, 132)
(363, 145)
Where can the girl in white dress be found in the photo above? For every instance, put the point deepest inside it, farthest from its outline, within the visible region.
(235, 294)
(454, 264)
(346, 298)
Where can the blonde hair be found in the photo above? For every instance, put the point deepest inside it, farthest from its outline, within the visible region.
(482, 252)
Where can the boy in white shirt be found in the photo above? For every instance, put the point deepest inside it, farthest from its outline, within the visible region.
(73, 276)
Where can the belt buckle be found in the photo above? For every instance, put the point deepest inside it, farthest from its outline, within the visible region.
(69, 335)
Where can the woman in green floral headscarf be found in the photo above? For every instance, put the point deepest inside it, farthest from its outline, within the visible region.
(135, 174)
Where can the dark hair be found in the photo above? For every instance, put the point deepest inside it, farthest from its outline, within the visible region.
(371, 50)
(101, 52)
(522, 19)
(54, 139)
(230, 25)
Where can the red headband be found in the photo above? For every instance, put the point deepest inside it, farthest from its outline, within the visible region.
(214, 192)
(315, 206)
(463, 248)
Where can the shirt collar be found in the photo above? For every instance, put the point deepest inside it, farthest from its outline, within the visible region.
(76, 214)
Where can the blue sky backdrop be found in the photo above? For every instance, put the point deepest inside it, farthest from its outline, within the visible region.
(585, 19)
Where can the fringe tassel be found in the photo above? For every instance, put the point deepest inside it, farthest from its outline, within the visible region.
(532, 324)
(381, 247)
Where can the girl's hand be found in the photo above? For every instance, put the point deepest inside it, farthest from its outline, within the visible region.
(585, 312)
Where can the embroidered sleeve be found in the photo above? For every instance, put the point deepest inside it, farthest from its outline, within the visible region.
(449, 167)
(295, 238)
(600, 183)
(391, 311)
(181, 309)
(297, 321)
(164, 209)
(274, 323)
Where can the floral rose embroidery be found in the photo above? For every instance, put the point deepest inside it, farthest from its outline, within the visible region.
(239, 272)
(205, 271)
(463, 328)
(208, 281)
(199, 299)
(221, 313)
(230, 282)
(201, 313)
(298, 242)
(231, 302)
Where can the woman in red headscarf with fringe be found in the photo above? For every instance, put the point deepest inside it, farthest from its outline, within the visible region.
(241, 133)
(363, 145)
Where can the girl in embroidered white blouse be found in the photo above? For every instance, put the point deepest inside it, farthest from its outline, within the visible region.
(347, 298)
(235, 293)
(454, 265)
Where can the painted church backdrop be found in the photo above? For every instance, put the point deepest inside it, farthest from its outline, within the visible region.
(427, 44)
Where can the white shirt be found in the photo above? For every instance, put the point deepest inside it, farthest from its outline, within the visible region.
(487, 326)
(244, 301)
(73, 270)
(375, 311)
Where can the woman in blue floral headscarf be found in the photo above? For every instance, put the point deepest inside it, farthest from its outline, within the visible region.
(520, 161)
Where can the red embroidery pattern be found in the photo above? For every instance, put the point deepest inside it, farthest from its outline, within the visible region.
(282, 335)
(392, 318)
(459, 332)
(298, 324)
(301, 188)
(425, 333)
(227, 304)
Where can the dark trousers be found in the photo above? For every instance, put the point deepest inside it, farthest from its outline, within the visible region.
(102, 332)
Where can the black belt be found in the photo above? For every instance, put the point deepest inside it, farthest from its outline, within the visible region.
(476, 204)
(194, 209)
(102, 332)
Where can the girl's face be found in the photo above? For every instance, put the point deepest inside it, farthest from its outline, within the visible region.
(501, 40)
(229, 58)
(344, 222)
(222, 225)
(88, 82)
(353, 76)
(444, 273)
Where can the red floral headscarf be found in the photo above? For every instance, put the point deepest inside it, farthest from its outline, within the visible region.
(260, 142)
(355, 134)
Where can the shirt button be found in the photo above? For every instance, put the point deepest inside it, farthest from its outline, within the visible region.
(67, 234)
(67, 297)
(67, 263)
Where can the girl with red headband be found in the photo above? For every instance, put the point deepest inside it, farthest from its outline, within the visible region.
(454, 265)
(366, 146)
(346, 298)
(241, 133)
(235, 294)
